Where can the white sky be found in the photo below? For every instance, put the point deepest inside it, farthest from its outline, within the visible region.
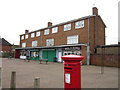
(18, 15)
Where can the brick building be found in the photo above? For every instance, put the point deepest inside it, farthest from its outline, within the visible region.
(5, 46)
(79, 36)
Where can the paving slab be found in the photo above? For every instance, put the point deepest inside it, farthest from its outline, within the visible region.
(51, 74)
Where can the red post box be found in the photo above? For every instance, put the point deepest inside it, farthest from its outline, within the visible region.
(72, 71)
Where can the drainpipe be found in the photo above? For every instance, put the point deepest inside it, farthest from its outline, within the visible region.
(88, 45)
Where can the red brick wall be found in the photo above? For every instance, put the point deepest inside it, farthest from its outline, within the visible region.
(109, 60)
(60, 38)
(84, 53)
(5, 48)
(96, 32)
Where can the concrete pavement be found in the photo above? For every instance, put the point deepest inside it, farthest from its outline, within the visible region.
(51, 75)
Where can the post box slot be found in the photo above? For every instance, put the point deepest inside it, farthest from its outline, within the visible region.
(69, 64)
(67, 68)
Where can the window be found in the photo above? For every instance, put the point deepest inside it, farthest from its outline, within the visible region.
(79, 24)
(49, 42)
(55, 30)
(46, 32)
(26, 36)
(72, 39)
(23, 44)
(67, 27)
(32, 35)
(22, 37)
(37, 34)
(34, 43)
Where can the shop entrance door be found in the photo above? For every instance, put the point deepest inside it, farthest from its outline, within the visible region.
(59, 56)
(49, 54)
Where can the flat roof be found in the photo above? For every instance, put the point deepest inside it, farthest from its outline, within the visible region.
(50, 47)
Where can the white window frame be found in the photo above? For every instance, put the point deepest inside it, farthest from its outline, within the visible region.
(22, 37)
(46, 32)
(55, 30)
(34, 43)
(67, 27)
(26, 36)
(50, 42)
(23, 44)
(38, 34)
(32, 35)
(72, 39)
(79, 24)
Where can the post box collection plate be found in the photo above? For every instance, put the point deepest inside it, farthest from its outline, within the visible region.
(67, 78)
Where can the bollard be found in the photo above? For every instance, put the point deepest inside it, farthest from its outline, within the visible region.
(0, 78)
(72, 71)
(13, 81)
(37, 82)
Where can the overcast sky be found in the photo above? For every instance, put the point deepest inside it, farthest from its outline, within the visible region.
(18, 15)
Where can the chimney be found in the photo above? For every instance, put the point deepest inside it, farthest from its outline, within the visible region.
(49, 24)
(95, 11)
(26, 31)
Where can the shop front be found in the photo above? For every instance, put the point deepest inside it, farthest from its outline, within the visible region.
(34, 54)
(53, 53)
(49, 54)
(23, 54)
(72, 50)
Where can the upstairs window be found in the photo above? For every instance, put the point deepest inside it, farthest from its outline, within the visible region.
(26, 36)
(34, 43)
(23, 45)
(67, 27)
(55, 30)
(79, 24)
(38, 34)
(32, 35)
(72, 39)
(46, 32)
(22, 37)
(49, 42)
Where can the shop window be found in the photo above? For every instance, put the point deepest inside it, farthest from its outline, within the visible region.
(65, 53)
(67, 27)
(37, 34)
(49, 42)
(34, 43)
(34, 54)
(72, 39)
(23, 53)
(23, 45)
(55, 30)
(26, 36)
(1, 51)
(79, 24)
(32, 35)
(22, 37)
(46, 32)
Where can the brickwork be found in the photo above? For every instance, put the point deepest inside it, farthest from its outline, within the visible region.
(61, 36)
(106, 60)
(5, 48)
